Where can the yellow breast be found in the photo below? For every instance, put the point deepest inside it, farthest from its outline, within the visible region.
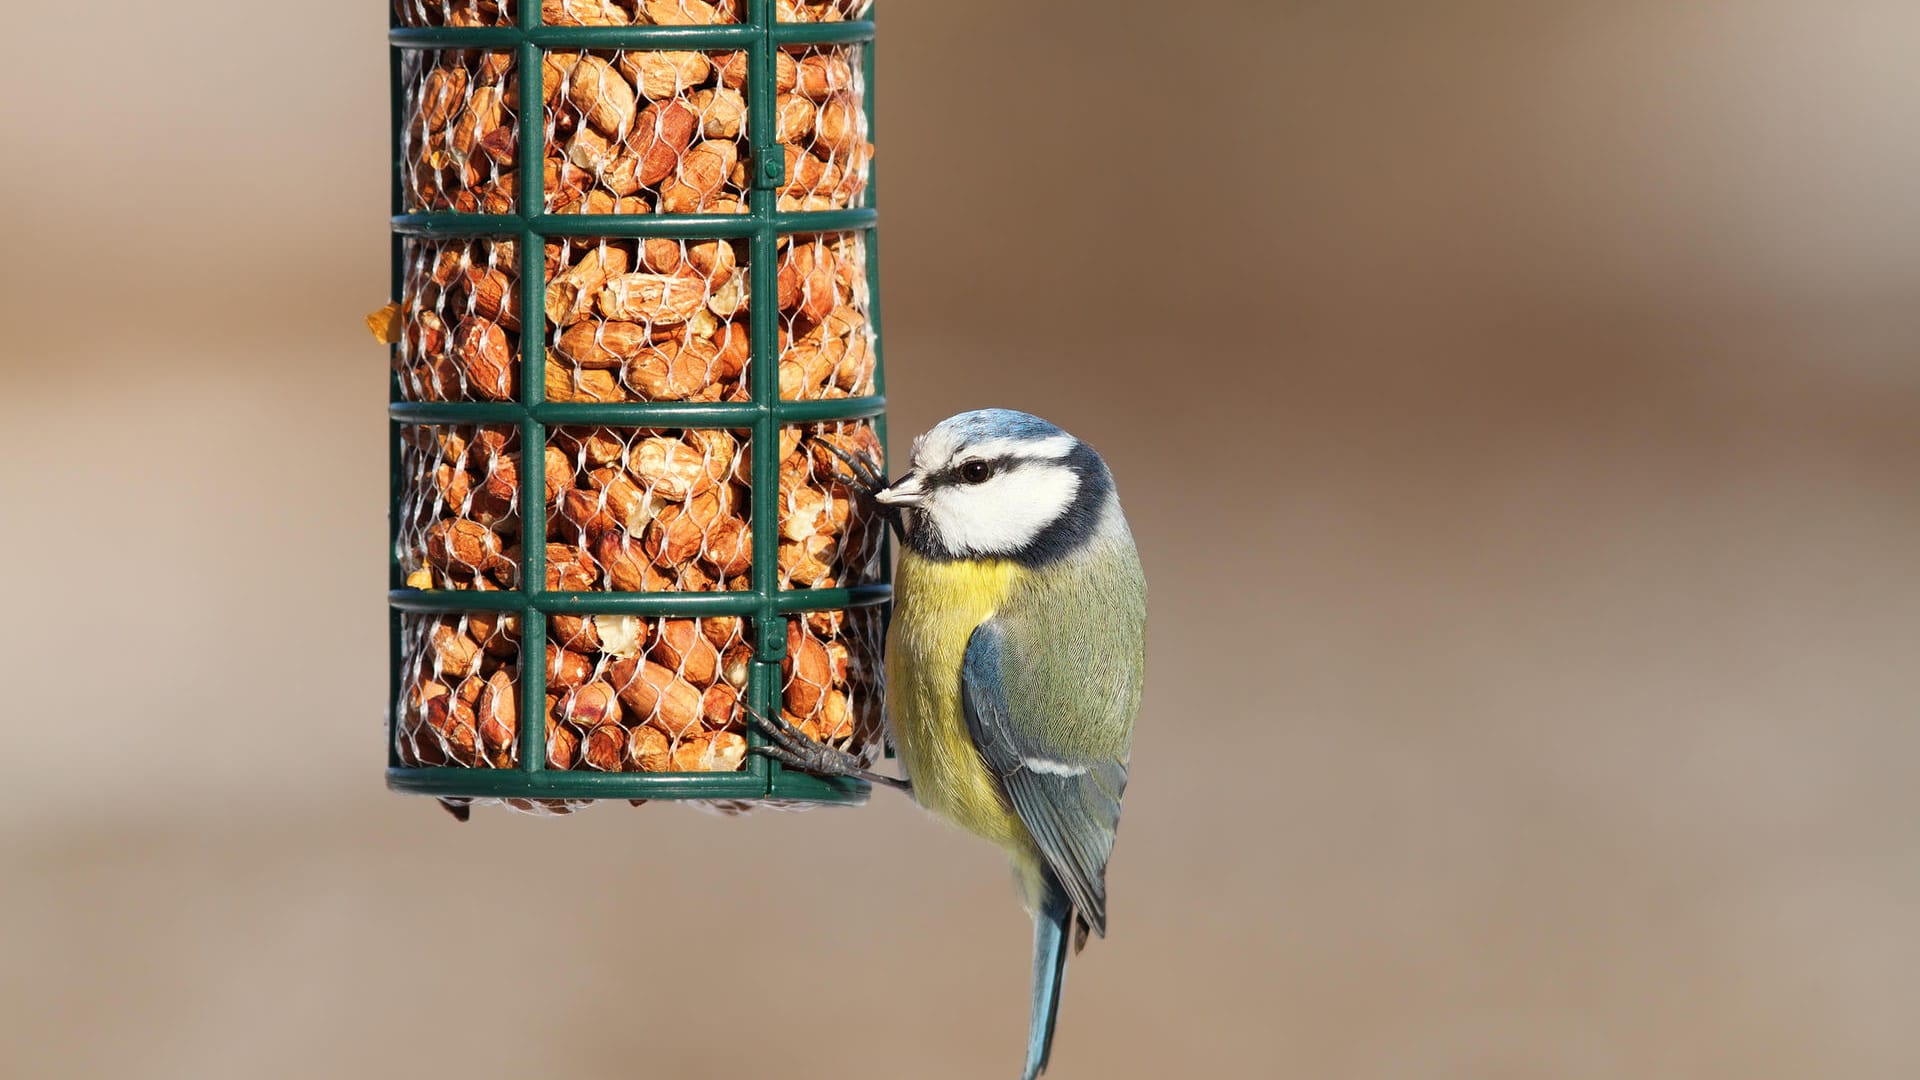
(937, 605)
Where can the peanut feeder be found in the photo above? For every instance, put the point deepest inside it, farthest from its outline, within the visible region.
(634, 308)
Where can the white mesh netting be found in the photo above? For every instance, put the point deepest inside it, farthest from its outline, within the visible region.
(647, 320)
(654, 131)
(459, 519)
(456, 12)
(641, 12)
(458, 134)
(832, 684)
(641, 510)
(820, 10)
(821, 124)
(459, 690)
(629, 694)
(648, 695)
(826, 335)
(459, 321)
(643, 131)
(828, 537)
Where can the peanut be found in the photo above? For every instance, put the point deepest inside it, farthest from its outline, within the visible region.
(663, 75)
(582, 13)
(657, 696)
(590, 705)
(679, 645)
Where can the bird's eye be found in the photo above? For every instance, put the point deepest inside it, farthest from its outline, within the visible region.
(976, 472)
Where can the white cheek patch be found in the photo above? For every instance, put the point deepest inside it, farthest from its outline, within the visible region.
(1007, 512)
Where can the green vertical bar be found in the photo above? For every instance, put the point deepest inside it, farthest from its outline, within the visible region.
(867, 68)
(396, 575)
(764, 313)
(533, 392)
(868, 65)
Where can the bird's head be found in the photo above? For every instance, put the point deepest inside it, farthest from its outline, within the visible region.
(1000, 484)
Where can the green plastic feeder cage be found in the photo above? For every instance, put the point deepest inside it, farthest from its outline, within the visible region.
(634, 271)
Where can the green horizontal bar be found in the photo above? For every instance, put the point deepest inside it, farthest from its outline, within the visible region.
(824, 221)
(677, 226)
(827, 409)
(729, 414)
(449, 601)
(583, 784)
(838, 33)
(707, 603)
(451, 224)
(674, 226)
(657, 414)
(688, 605)
(576, 37)
(627, 37)
(790, 601)
(454, 37)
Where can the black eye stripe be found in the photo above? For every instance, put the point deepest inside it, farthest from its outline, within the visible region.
(953, 474)
(950, 476)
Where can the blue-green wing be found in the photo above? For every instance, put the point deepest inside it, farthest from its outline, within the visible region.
(1069, 799)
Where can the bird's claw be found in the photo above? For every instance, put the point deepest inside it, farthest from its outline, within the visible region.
(864, 476)
(791, 747)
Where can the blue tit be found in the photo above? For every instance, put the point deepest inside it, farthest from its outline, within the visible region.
(1014, 664)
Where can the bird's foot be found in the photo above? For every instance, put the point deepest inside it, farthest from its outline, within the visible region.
(863, 471)
(864, 475)
(790, 746)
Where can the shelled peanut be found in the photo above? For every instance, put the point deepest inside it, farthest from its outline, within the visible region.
(641, 12)
(630, 510)
(459, 519)
(455, 12)
(667, 320)
(820, 10)
(821, 125)
(459, 691)
(650, 511)
(632, 320)
(828, 537)
(647, 320)
(623, 693)
(651, 131)
(658, 511)
(826, 336)
(459, 126)
(458, 321)
(629, 694)
(649, 695)
(831, 680)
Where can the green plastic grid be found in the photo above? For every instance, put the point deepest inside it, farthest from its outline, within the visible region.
(766, 606)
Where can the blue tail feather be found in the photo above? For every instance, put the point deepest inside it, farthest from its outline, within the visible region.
(1052, 940)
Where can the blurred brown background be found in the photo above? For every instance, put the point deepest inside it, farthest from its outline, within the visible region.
(1518, 408)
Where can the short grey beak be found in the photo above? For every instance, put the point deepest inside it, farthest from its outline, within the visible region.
(905, 491)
